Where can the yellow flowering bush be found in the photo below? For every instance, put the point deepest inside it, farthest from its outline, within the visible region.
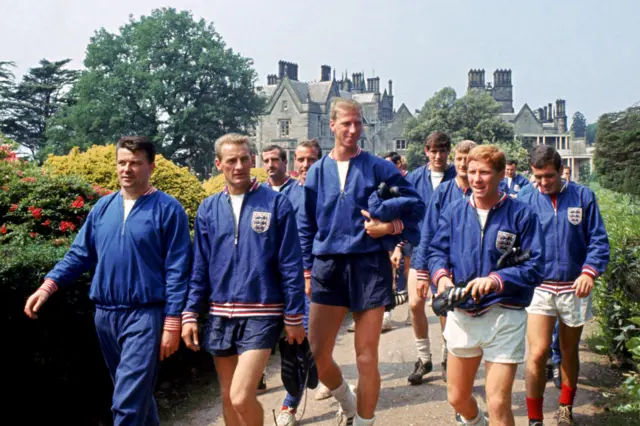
(216, 183)
(98, 166)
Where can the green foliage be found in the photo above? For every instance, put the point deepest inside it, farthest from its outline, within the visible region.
(166, 76)
(98, 166)
(578, 125)
(591, 133)
(40, 94)
(617, 154)
(617, 295)
(473, 116)
(513, 149)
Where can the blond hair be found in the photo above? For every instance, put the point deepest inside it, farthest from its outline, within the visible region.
(404, 164)
(463, 147)
(343, 104)
(489, 153)
(231, 139)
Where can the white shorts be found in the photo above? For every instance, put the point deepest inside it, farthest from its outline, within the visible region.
(572, 310)
(498, 334)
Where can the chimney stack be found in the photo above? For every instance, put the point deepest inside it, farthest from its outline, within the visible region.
(325, 73)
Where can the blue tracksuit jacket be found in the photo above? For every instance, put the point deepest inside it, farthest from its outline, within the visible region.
(517, 183)
(575, 236)
(463, 250)
(420, 178)
(254, 269)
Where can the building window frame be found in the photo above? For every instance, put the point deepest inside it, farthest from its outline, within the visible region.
(401, 144)
(285, 105)
(284, 128)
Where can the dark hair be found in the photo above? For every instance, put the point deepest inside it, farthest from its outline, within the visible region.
(438, 140)
(544, 155)
(511, 161)
(395, 157)
(138, 143)
(312, 143)
(281, 153)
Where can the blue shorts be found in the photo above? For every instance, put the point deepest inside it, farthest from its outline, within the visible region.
(359, 282)
(233, 336)
(407, 250)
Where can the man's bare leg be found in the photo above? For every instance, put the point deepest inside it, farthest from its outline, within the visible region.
(460, 377)
(225, 367)
(418, 315)
(250, 366)
(367, 339)
(569, 341)
(324, 325)
(499, 384)
(539, 330)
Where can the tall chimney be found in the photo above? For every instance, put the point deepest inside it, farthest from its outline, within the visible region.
(390, 87)
(550, 117)
(325, 73)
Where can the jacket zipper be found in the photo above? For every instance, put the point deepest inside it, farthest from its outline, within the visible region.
(236, 226)
(124, 221)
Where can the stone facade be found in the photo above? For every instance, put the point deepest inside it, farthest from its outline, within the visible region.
(502, 89)
(298, 111)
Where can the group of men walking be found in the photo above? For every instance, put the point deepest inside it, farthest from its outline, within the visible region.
(300, 254)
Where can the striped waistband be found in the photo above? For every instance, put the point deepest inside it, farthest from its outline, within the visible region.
(557, 287)
(231, 310)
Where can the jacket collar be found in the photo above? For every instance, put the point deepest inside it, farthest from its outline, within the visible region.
(149, 191)
(287, 181)
(503, 198)
(355, 154)
(252, 186)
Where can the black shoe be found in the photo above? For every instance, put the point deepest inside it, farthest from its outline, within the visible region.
(262, 385)
(535, 423)
(421, 369)
(565, 415)
(557, 376)
(309, 368)
(444, 371)
(289, 368)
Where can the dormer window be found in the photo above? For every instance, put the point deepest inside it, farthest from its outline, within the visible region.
(285, 106)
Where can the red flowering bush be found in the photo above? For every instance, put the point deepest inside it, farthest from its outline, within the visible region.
(36, 205)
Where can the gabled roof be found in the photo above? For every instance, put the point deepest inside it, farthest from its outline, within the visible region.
(319, 92)
(402, 111)
(365, 98)
(524, 109)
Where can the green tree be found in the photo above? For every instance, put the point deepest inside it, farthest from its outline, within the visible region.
(6, 86)
(578, 125)
(42, 92)
(591, 133)
(473, 116)
(617, 154)
(166, 76)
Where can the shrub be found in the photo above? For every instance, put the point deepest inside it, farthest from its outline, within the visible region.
(216, 184)
(98, 166)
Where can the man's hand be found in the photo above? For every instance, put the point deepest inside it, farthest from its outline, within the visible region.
(480, 287)
(422, 288)
(396, 256)
(444, 283)
(190, 335)
(295, 333)
(583, 285)
(35, 301)
(374, 227)
(307, 287)
(170, 343)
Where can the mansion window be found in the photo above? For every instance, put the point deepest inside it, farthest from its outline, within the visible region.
(285, 106)
(284, 128)
(401, 144)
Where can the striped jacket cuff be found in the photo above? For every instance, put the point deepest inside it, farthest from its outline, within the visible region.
(401, 244)
(422, 274)
(172, 323)
(49, 286)
(307, 273)
(439, 274)
(588, 270)
(498, 280)
(293, 319)
(188, 317)
(398, 226)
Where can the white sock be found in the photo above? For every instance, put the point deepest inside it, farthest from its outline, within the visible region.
(478, 420)
(424, 350)
(364, 422)
(346, 398)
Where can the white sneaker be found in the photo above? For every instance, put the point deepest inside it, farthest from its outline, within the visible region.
(286, 418)
(323, 392)
(352, 327)
(386, 322)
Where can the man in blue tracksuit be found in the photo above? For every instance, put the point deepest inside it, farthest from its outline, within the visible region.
(247, 268)
(470, 238)
(346, 266)
(445, 194)
(138, 241)
(577, 252)
(274, 161)
(513, 182)
(426, 180)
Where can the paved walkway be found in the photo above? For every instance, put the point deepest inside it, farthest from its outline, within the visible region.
(401, 404)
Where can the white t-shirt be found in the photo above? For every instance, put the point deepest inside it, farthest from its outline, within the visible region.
(128, 205)
(509, 181)
(236, 204)
(343, 168)
(482, 215)
(276, 188)
(436, 178)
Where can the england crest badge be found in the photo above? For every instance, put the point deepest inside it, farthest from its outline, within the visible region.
(505, 241)
(574, 214)
(260, 221)
(516, 188)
